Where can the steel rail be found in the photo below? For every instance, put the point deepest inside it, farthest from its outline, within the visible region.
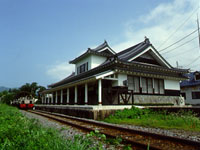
(134, 137)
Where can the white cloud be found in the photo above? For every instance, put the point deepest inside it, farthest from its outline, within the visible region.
(60, 70)
(159, 24)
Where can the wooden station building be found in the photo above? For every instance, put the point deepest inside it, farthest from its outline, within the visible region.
(138, 74)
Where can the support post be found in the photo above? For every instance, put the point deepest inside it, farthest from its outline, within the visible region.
(76, 95)
(48, 99)
(61, 97)
(99, 92)
(86, 93)
(52, 99)
(42, 99)
(56, 97)
(67, 95)
(45, 98)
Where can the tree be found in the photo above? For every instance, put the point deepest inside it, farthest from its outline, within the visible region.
(7, 98)
(31, 90)
(40, 89)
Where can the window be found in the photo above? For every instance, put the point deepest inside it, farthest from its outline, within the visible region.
(197, 76)
(82, 68)
(134, 84)
(156, 86)
(195, 95)
(130, 83)
(149, 86)
(144, 85)
(159, 86)
(183, 95)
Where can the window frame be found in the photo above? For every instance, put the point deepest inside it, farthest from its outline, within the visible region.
(82, 68)
(194, 96)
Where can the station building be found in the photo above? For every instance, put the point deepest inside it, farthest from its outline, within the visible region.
(138, 74)
(190, 89)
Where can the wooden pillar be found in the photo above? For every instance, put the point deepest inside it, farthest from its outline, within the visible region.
(99, 92)
(48, 99)
(45, 98)
(42, 99)
(67, 95)
(140, 84)
(52, 98)
(56, 97)
(61, 97)
(86, 93)
(76, 95)
(153, 84)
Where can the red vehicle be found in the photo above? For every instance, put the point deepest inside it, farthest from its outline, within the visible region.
(22, 106)
(26, 105)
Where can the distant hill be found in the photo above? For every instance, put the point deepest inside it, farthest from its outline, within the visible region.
(2, 88)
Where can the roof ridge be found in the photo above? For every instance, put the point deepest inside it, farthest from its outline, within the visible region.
(104, 44)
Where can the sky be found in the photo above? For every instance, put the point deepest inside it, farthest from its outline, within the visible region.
(38, 38)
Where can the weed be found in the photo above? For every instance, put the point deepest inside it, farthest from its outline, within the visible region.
(185, 120)
(20, 133)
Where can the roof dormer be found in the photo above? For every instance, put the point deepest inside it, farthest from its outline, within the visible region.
(92, 58)
(197, 75)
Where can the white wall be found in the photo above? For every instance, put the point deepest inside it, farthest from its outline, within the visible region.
(172, 84)
(188, 92)
(82, 61)
(93, 61)
(97, 60)
(121, 78)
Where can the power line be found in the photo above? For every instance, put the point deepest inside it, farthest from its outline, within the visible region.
(193, 61)
(180, 45)
(178, 41)
(183, 52)
(178, 27)
(195, 65)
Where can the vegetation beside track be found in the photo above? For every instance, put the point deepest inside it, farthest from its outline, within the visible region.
(145, 117)
(19, 133)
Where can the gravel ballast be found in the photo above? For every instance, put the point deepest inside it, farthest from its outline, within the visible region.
(69, 132)
(66, 131)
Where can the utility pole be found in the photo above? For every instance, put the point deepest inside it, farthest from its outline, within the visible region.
(177, 64)
(198, 29)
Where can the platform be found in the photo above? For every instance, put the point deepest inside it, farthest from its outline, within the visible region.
(96, 112)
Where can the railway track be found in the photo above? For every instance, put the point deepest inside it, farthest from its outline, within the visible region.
(136, 138)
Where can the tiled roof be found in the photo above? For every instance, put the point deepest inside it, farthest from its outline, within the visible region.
(191, 80)
(114, 59)
(65, 79)
(137, 49)
(132, 51)
(100, 47)
(96, 51)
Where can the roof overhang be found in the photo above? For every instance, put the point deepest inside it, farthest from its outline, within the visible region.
(102, 75)
(158, 57)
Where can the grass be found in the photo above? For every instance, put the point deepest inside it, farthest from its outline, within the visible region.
(146, 117)
(19, 133)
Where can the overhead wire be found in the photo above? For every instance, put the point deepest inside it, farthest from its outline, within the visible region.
(178, 27)
(195, 65)
(183, 52)
(193, 61)
(178, 41)
(181, 45)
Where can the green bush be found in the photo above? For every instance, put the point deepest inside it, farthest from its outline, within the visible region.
(184, 120)
(132, 113)
(19, 133)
